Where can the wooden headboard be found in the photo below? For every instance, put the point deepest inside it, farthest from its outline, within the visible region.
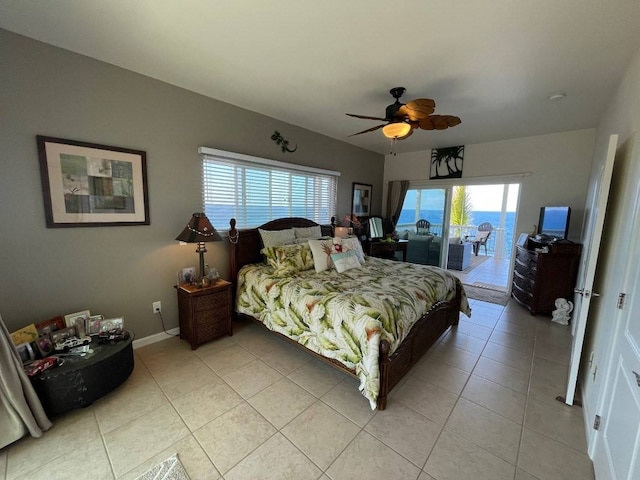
(245, 244)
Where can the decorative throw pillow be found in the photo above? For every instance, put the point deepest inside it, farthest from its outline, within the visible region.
(345, 261)
(274, 238)
(351, 244)
(454, 241)
(289, 259)
(308, 232)
(321, 251)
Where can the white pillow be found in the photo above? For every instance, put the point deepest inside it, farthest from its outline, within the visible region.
(345, 261)
(351, 244)
(308, 232)
(454, 241)
(275, 238)
(321, 251)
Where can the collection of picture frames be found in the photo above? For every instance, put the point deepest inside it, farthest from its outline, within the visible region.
(87, 324)
(39, 339)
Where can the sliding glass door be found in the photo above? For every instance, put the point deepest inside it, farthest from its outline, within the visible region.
(426, 244)
(455, 215)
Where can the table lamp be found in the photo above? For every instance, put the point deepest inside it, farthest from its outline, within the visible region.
(199, 230)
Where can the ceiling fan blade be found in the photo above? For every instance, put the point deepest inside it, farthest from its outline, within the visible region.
(368, 130)
(366, 117)
(452, 120)
(439, 122)
(417, 109)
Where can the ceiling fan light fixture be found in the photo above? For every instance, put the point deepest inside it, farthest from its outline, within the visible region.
(396, 130)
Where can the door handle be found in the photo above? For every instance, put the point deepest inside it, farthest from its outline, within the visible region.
(637, 378)
(585, 293)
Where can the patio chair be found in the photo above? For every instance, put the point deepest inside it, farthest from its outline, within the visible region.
(481, 237)
(422, 226)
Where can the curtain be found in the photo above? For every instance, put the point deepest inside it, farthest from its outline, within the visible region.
(20, 409)
(395, 199)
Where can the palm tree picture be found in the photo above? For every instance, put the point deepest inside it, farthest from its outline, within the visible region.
(446, 162)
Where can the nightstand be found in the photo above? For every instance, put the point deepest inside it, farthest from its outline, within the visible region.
(205, 313)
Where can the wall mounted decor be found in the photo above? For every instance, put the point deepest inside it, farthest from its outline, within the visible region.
(361, 199)
(446, 162)
(284, 144)
(90, 185)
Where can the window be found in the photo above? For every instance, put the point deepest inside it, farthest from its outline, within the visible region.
(255, 190)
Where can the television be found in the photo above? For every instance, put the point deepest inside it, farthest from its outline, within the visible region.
(554, 222)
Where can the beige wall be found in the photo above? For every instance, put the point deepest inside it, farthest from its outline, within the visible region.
(559, 166)
(120, 271)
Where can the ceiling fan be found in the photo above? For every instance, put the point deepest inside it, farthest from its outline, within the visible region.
(402, 119)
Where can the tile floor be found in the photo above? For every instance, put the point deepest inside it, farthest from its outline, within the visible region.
(490, 272)
(481, 405)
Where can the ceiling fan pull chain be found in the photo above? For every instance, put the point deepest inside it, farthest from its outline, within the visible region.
(393, 146)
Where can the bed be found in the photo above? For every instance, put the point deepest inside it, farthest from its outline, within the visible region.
(400, 309)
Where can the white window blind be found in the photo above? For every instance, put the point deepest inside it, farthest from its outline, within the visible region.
(255, 190)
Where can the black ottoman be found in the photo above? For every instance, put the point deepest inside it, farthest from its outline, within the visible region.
(82, 380)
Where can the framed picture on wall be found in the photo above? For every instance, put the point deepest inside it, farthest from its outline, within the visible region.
(90, 185)
(361, 199)
(446, 162)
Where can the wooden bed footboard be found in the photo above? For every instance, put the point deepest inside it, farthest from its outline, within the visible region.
(244, 248)
(422, 336)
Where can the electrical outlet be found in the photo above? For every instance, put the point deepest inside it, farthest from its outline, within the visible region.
(157, 307)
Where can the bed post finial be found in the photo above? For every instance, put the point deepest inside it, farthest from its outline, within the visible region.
(233, 232)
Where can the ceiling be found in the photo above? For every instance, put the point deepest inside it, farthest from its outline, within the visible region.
(493, 63)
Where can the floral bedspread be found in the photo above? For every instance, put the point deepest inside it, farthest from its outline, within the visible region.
(344, 316)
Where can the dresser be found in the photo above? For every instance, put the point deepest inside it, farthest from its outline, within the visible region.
(540, 277)
(376, 248)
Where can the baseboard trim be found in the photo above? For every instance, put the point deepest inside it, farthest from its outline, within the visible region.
(157, 337)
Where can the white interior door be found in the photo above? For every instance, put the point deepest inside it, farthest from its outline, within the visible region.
(617, 450)
(591, 248)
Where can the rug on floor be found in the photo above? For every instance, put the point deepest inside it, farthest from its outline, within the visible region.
(486, 295)
(169, 469)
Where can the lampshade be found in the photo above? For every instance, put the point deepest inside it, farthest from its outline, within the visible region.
(342, 232)
(199, 229)
(396, 130)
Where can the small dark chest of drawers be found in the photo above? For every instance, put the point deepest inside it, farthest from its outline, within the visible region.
(539, 278)
(205, 313)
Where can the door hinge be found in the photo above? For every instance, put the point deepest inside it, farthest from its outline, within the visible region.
(620, 304)
(596, 423)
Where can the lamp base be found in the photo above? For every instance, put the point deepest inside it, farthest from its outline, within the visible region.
(201, 250)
